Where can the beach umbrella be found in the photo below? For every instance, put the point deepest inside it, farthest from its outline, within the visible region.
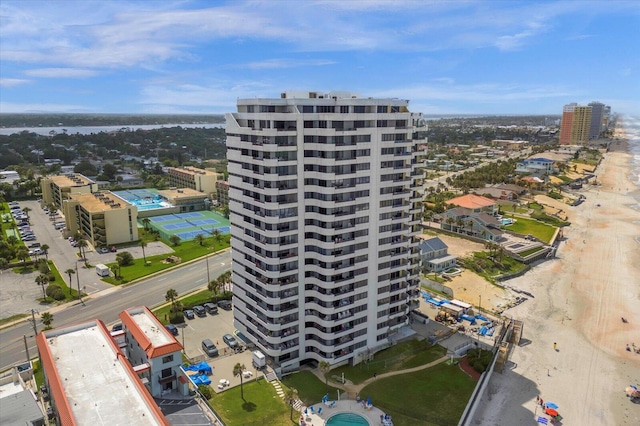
(552, 405)
(551, 412)
(632, 391)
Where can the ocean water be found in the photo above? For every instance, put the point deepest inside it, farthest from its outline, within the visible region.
(631, 126)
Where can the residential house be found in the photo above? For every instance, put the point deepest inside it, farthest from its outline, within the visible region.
(537, 166)
(475, 203)
(476, 224)
(434, 255)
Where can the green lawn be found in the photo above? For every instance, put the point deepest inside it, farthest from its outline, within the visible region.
(407, 354)
(489, 267)
(530, 251)
(435, 396)
(310, 388)
(538, 229)
(261, 406)
(186, 251)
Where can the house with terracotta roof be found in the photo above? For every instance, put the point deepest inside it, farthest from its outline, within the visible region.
(474, 224)
(153, 351)
(474, 203)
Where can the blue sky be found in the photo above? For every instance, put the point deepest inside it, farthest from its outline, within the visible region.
(446, 57)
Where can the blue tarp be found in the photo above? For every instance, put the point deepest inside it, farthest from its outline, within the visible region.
(469, 318)
(201, 379)
(201, 367)
(481, 318)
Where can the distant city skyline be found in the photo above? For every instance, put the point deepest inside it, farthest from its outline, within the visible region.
(199, 57)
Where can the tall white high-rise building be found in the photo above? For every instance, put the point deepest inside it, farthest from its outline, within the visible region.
(325, 210)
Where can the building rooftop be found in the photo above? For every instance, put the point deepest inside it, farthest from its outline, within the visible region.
(471, 201)
(180, 193)
(193, 171)
(432, 244)
(90, 379)
(20, 408)
(100, 201)
(150, 334)
(71, 180)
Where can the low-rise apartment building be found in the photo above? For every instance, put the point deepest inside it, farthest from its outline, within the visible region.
(102, 218)
(56, 189)
(90, 381)
(194, 178)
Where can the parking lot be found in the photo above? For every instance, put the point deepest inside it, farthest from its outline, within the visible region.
(213, 327)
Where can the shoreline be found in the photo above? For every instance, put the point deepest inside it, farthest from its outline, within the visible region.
(580, 299)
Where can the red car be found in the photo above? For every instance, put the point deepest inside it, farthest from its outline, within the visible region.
(113, 250)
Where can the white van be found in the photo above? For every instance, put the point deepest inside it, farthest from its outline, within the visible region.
(102, 270)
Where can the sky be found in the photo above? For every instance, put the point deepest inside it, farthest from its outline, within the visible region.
(198, 57)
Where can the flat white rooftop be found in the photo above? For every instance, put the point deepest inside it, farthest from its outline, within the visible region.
(158, 336)
(99, 387)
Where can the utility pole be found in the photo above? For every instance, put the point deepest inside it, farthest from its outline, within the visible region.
(78, 282)
(33, 321)
(26, 347)
(208, 278)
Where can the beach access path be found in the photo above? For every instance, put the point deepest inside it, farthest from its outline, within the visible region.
(580, 298)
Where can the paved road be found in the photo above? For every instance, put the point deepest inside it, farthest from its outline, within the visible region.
(108, 304)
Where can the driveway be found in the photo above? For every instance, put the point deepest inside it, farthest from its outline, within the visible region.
(214, 327)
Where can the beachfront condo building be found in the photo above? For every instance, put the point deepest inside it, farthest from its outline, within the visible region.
(194, 178)
(598, 119)
(325, 210)
(56, 189)
(576, 127)
(102, 218)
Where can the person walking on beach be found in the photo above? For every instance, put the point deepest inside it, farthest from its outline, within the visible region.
(375, 375)
(555, 346)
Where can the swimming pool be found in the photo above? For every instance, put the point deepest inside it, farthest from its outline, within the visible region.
(347, 419)
(506, 221)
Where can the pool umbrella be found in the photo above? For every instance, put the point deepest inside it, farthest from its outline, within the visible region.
(551, 412)
(552, 405)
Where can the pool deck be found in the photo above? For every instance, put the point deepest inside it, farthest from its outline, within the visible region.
(347, 406)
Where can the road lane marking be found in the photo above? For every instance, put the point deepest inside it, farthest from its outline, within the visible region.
(200, 280)
(162, 279)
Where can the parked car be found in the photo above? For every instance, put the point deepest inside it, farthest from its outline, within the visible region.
(230, 341)
(117, 327)
(188, 314)
(209, 348)
(225, 304)
(29, 238)
(172, 329)
(200, 311)
(212, 308)
(34, 245)
(103, 250)
(113, 250)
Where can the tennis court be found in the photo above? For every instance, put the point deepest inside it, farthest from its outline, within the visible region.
(188, 225)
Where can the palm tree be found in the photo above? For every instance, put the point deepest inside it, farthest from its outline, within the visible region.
(81, 245)
(42, 281)
(146, 221)
(26, 211)
(12, 239)
(171, 296)
(325, 367)
(22, 253)
(217, 235)
(214, 286)
(199, 239)
(291, 395)
(238, 369)
(175, 240)
(450, 221)
(143, 244)
(45, 249)
(3, 263)
(70, 272)
(47, 319)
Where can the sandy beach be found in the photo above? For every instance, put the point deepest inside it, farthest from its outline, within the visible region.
(580, 298)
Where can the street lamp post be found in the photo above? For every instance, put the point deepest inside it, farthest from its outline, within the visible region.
(208, 278)
(78, 282)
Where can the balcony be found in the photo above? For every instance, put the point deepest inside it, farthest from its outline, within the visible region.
(167, 379)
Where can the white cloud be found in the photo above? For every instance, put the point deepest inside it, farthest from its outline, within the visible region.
(7, 107)
(288, 63)
(11, 82)
(60, 73)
